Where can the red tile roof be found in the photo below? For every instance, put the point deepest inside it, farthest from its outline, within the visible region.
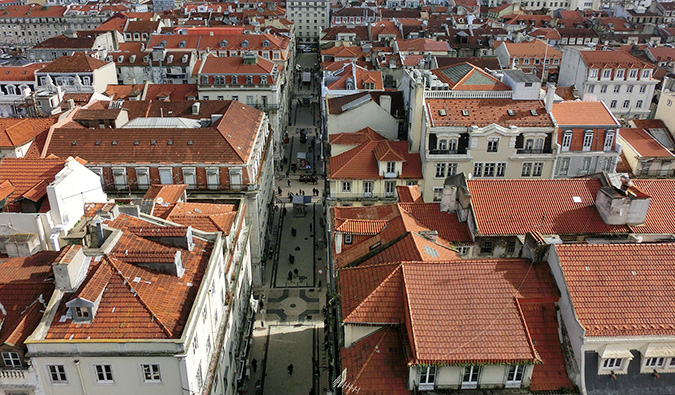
(466, 76)
(360, 163)
(359, 76)
(20, 73)
(165, 194)
(532, 49)
(235, 66)
(137, 303)
(660, 212)
(541, 317)
(229, 140)
(583, 113)
(17, 132)
(357, 138)
(515, 207)
(26, 174)
(644, 144)
(621, 289)
(203, 216)
(483, 112)
(360, 226)
(385, 151)
(376, 364)
(78, 62)
(409, 194)
(23, 283)
(612, 59)
(422, 45)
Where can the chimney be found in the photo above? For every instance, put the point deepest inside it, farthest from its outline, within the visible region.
(71, 104)
(195, 108)
(385, 103)
(70, 268)
(550, 96)
(622, 204)
(249, 58)
(431, 235)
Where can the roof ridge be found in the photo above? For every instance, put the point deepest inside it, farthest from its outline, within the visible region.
(351, 157)
(156, 319)
(527, 330)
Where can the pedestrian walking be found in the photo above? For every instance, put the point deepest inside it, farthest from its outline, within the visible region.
(279, 190)
(284, 211)
(289, 180)
(254, 364)
(295, 271)
(290, 369)
(291, 258)
(293, 232)
(258, 388)
(290, 275)
(310, 227)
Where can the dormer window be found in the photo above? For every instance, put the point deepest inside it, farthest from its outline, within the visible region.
(442, 144)
(606, 73)
(82, 313)
(223, 43)
(182, 44)
(244, 44)
(588, 140)
(391, 167)
(249, 80)
(184, 59)
(593, 74)
(263, 79)
(234, 81)
(645, 74)
(633, 74)
(619, 74)
(266, 43)
(205, 79)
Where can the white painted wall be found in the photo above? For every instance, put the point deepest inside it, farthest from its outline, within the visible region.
(368, 114)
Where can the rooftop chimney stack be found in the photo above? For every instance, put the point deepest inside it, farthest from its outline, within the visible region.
(550, 96)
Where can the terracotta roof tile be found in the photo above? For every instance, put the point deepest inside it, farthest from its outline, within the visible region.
(17, 132)
(376, 364)
(203, 216)
(612, 59)
(25, 174)
(138, 303)
(22, 284)
(465, 76)
(515, 207)
(409, 194)
(387, 152)
(532, 49)
(644, 144)
(621, 289)
(165, 194)
(360, 163)
(364, 135)
(422, 44)
(660, 212)
(483, 112)
(20, 73)
(583, 113)
(77, 62)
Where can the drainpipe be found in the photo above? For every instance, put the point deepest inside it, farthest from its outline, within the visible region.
(41, 232)
(79, 372)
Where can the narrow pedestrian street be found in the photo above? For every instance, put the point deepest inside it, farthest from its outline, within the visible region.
(289, 325)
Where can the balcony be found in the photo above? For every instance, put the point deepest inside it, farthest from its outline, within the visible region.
(390, 174)
(533, 151)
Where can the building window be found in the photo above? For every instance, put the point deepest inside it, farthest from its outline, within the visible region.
(189, 177)
(527, 169)
(632, 74)
(619, 74)
(390, 188)
(511, 247)
(151, 373)
(391, 167)
(442, 144)
(195, 344)
(643, 89)
(608, 165)
(81, 312)
(645, 74)
(212, 178)
(609, 141)
(629, 89)
(638, 104)
(501, 169)
(603, 89)
(440, 170)
(200, 377)
(606, 73)
(11, 359)
(57, 374)
(655, 362)
(486, 247)
(489, 170)
(452, 169)
(438, 194)
(591, 88)
(617, 88)
(586, 164)
(470, 377)
(626, 103)
(427, 377)
(477, 169)
(103, 373)
(514, 377)
(346, 186)
(452, 146)
(349, 238)
(593, 74)
(493, 144)
(612, 104)
(537, 169)
(567, 141)
(588, 140)
(564, 166)
(367, 188)
(612, 363)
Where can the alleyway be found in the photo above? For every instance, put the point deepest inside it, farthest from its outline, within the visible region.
(289, 326)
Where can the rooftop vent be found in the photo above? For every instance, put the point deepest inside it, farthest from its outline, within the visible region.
(137, 142)
(74, 142)
(465, 113)
(511, 113)
(189, 142)
(534, 113)
(114, 142)
(170, 142)
(98, 142)
(153, 142)
(442, 113)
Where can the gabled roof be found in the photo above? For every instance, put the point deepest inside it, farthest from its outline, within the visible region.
(344, 51)
(202, 216)
(24, 292)
(583, 113)
(17, 132)
(360, 163)
(409, 194)
(165, 194)
(27, 174)
(364, 135)
(465, 76)
(422, 44)
(20, 73)
(644, 144)
(78, 62)
(359, 77)
(136, 302)
(236, 65)
(532, 49)
(636, 281)
(516, 207)
(340, 104)
(385, 151)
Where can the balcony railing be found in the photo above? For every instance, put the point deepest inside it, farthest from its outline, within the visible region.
(12, 374)
(447, 94)
(534, 151)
